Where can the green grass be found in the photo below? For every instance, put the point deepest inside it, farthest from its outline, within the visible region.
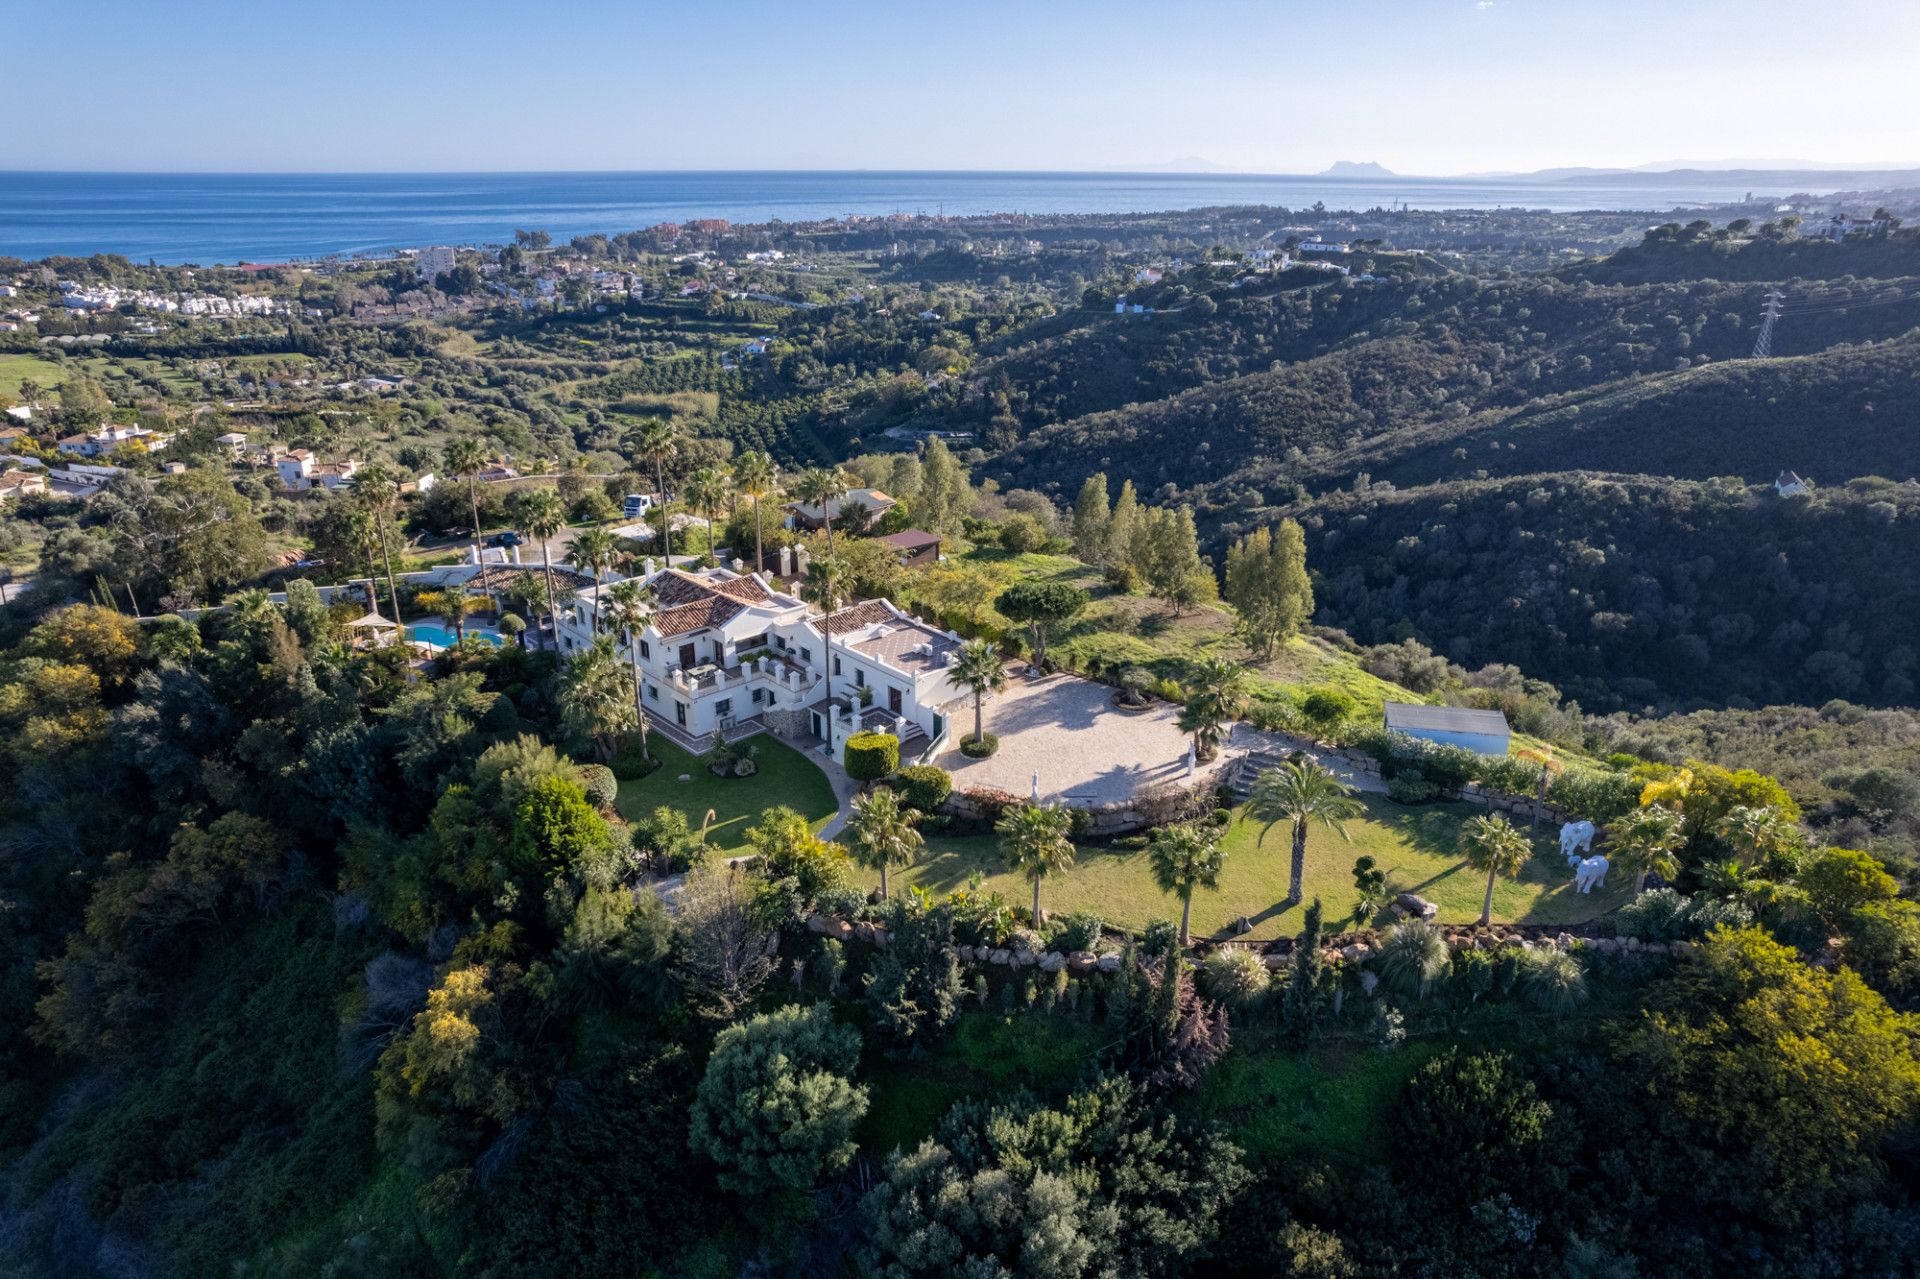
(1415, 846)
(15, 369)
(785, 777)
(1330, 1099)
(989, 1054)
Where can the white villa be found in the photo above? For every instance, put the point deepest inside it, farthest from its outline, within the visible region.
(734, 653)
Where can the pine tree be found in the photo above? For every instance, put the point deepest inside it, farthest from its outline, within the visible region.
(1090, 519)
(1267, 584)
(1306, 979)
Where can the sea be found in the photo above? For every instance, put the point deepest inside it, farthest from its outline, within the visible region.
(225, 218)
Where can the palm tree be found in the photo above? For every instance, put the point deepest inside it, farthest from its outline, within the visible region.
(595, 698)
(1303, 791)
(376, 489)
(976, 668)
(628, 605)
(755, 474)
(531, 595)
(881, 832)
(822, 488)
(1185, 858)
(1495, 845)
(1034, 841)
(1645, 841)
(454, 604)
(1213, 700)
(659, 439)
(593, 552)
(544, 517)
(821, 588)
(706, 492)
(363, 536)
(1754, 832)
(466, 457)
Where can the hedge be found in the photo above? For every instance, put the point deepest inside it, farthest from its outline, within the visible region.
(925, 786)
(872, 756)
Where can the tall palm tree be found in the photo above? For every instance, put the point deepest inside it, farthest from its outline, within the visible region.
(881, 833)
(706, 492)
(755, 474)
(1213, 700)
(1185, 858)
(542, 515)
(595, 699)
(659, 439)
(822, 487)
(1646, 841)
(628, 605)
(378, 492)
(1035, 842)
(466, 457)
(363, 536)
(1303, 791)
(1495, 845)
(593, 552)
(976, 668)
(821, 588)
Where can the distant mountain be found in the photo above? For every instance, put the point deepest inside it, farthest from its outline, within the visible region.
(1357, 169)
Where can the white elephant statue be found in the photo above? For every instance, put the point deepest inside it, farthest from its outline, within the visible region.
(1592, 874)
(1576, 837)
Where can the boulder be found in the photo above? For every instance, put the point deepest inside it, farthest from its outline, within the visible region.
(817, 923)
(1275, 960)
(1109, 963)
(840, 930)
(1001, 956)
(1082, 962)
(1356, 952)
(1414, 904)
(1052, 962)
(1025, 959)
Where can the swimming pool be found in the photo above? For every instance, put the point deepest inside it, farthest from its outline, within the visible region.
(441, 637)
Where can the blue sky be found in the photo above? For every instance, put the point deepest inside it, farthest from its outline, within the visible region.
(1422, 86)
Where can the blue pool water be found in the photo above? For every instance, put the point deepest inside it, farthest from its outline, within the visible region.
(442, 637)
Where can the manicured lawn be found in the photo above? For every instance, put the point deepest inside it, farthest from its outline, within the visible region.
(785, 777)
(989, 1054)
(1415, 846)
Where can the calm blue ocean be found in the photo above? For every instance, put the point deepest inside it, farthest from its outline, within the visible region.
(211, 218)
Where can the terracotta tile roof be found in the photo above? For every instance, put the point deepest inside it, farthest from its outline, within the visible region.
(865, 613)
(497, 577)
(699, 615)
(744, 589)
(671, 588)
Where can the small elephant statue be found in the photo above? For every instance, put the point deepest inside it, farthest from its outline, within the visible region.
(1592, 874)
(1576, 837)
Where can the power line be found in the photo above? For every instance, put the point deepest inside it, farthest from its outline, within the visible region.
(1764, 347)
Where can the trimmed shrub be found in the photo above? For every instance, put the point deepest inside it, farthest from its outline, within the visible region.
(924, 786)
(1326, 707)
(872, 756)
(979, 747)
(629, 764)
(603, 786)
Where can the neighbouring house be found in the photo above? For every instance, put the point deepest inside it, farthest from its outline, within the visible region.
(731, 652)
(11, 433)
(1148, 275)
(174, 468)
(810, 516)
(1483, 731)
(1790, 485)
(918, 548)
(1842, 227)
(20, 413)
(105, 439)
(421, 483)
(234, 442)
(336, 475)
(1323, 246)
(21, 484)
(296, 469)
(494, 472)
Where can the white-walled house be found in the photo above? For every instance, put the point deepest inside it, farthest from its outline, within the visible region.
(730, 652)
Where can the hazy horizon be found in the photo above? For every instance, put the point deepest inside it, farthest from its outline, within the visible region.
(1423, 87)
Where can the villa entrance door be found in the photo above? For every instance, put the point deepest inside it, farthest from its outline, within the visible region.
(893, 700)
(686, 656)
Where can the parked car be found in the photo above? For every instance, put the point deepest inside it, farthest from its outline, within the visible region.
(508, 538)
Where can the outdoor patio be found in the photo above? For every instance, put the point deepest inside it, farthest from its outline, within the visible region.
(1066, 731)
